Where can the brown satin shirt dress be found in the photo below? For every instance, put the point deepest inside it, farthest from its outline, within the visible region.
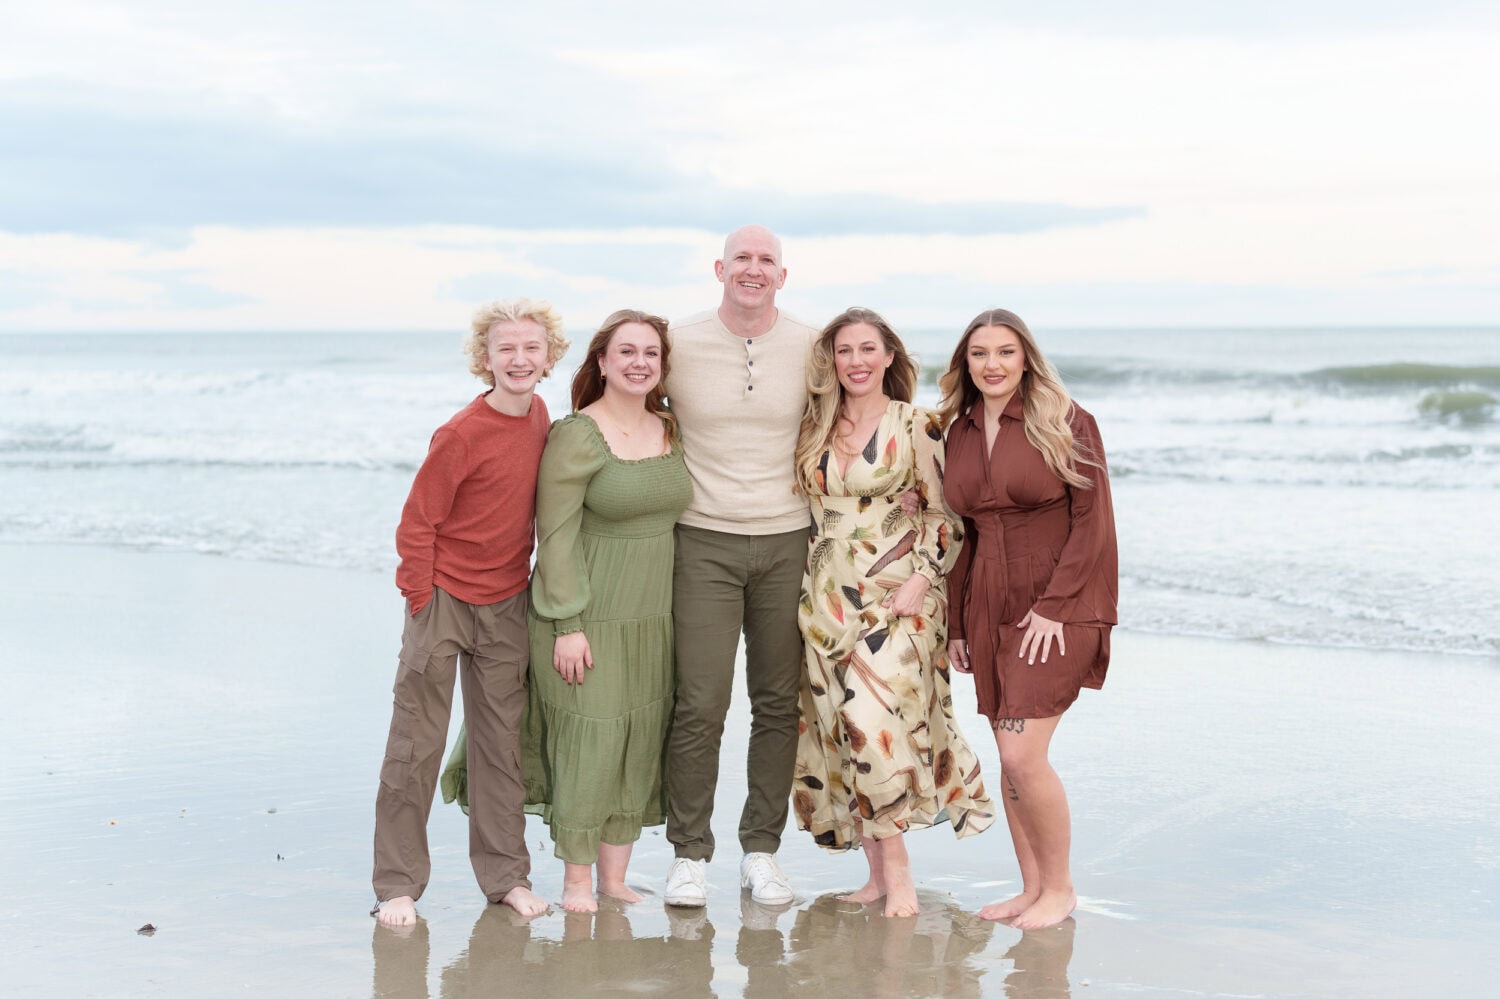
(1032, 542)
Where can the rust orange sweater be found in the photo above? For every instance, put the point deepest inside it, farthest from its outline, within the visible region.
(469, 521)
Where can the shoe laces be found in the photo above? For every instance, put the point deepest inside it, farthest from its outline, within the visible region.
(766, 868)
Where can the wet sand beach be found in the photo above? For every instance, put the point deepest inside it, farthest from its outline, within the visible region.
(193, 742)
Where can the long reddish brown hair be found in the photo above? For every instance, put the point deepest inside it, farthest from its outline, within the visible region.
(588, 380)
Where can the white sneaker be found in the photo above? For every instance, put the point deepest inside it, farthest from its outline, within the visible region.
(685, 884)
(763, 876)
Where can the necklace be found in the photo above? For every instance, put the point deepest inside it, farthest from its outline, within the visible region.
(614, 421)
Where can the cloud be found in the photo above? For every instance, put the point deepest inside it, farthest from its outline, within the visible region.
(83, 169)
(376, 164)
(1193, 18)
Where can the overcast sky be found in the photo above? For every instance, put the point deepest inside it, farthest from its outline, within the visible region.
(388, 166)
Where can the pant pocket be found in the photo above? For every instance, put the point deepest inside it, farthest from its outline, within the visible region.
(395, 771)
(414, 657)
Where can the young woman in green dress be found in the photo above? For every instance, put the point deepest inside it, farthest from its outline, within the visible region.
(611, 486)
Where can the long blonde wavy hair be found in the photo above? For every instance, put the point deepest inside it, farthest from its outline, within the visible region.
(1044, 399)
(825, 396)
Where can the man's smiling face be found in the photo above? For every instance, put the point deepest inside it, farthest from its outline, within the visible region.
(751, 270)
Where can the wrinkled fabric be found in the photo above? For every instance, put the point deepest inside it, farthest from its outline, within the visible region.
(878, 751)
(1032, 543)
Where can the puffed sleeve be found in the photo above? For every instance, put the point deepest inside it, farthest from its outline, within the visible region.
(1085, 583)
(560, 587)
(939, 533)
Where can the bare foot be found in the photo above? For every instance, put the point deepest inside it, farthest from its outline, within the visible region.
(901, 894)
(525, 901)
(621, 891)
(872, 891)
(398, 911)
(578, 896)
(1010, 908)
(1050, 908)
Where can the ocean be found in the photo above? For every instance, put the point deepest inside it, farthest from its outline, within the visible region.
(1333, 487)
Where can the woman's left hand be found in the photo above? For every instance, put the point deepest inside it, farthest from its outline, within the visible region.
(906, 599)
(1039, 635)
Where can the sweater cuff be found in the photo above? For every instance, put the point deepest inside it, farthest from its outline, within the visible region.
(417, 600)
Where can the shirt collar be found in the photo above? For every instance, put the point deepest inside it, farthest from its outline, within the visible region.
(1015, 409)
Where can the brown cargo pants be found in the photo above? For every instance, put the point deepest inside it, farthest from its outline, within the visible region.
(487, 645)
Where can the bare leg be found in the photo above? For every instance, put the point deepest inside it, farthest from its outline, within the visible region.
(875, 887)
(1041, 807)
(901, 893)
(613, 860)
(525, 902)
(578, 888)
(398, 911)
(1031, 885)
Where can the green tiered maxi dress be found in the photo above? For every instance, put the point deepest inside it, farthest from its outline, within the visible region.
(593, 753)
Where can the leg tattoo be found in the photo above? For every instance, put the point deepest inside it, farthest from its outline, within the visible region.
(1017, 725)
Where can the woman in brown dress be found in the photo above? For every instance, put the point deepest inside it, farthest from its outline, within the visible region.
(1033, 595)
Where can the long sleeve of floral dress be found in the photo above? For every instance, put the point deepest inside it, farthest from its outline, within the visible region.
(939, 538)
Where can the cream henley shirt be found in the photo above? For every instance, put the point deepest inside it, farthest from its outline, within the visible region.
(739, 405)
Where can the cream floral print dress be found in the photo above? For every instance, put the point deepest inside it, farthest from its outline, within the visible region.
(878, 749)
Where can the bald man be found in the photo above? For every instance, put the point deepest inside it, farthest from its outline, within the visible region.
(738, 384)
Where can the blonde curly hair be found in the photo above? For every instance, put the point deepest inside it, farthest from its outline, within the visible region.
(513, 310)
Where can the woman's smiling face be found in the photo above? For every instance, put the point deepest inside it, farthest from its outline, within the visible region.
(996, 362)
(860, 359)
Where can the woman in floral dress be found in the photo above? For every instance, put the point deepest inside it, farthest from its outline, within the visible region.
(878, 751)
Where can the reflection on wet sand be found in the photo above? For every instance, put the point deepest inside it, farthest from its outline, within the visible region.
(837, 947)
(822, 948)
(1040, 963)
(595, 951)
(400, 961)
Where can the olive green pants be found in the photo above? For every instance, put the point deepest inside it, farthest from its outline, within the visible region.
(724, 584)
